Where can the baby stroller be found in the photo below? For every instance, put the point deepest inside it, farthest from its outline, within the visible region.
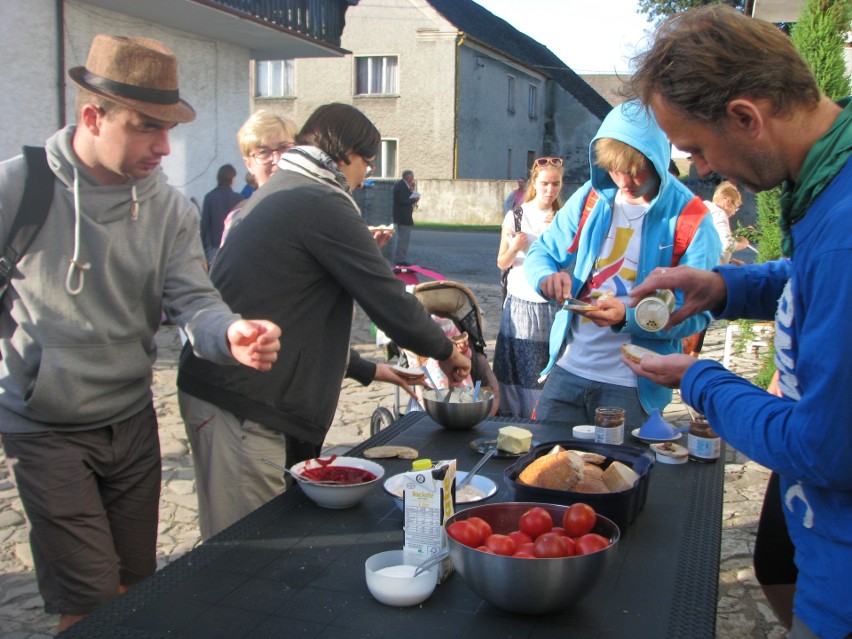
(448, 300)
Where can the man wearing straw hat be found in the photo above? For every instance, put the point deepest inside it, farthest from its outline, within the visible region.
(78, 320)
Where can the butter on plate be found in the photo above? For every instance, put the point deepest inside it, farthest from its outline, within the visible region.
(514, 440)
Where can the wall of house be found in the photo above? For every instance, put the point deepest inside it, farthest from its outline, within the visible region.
(574, 129)
(420, 118)
(487, 128)
(212, 79)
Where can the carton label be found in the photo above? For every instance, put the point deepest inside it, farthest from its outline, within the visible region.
(427, 504)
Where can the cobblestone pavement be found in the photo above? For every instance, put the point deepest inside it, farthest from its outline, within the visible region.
(742, 611)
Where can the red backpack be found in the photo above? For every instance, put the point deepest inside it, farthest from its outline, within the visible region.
(687, 224)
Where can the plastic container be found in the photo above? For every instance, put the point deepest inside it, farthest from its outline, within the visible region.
(621, 508)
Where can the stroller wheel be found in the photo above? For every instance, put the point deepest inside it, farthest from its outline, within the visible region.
(381, 418)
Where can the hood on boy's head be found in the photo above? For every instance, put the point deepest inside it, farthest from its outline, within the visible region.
(635, 125)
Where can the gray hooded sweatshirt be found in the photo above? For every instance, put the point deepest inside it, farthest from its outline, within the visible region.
(78, 345)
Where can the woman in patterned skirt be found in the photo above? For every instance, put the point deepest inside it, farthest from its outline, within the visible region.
(521, 352)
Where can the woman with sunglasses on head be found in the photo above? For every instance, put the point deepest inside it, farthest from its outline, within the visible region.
(521, 350)
(304, 253)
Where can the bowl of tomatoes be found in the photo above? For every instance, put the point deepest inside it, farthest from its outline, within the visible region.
(529, 557)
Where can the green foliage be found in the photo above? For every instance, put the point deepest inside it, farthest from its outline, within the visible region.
(660, 9)
(768, 230)
(819, 35)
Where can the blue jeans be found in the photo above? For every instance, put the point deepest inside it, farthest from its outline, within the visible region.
(571, 400)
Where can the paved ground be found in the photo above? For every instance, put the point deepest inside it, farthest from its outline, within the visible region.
(742, 612)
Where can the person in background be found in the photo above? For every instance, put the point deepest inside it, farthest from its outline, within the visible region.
(78, 322)
(263, 138)
(250, 186)
(735, 92)
(217, 204)
(516, 196)
(629, 231)
(303, 253)
(521, 351)
(727, 200)
(405, 198)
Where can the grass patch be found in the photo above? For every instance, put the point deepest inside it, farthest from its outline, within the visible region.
(435, 226)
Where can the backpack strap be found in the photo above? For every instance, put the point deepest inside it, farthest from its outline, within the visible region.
(591, 200)
(688, 221)
(35, 204)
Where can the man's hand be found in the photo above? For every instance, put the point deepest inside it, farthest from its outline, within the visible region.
(556, 286)
(386, 373)
(254, 343)
(456, 367)
(382, 237)
(607, 312)
(702, 290)
(665, 370)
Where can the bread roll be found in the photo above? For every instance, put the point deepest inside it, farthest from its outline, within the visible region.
(559, 471)
(590, 458)
(591, 485)
(636, 353)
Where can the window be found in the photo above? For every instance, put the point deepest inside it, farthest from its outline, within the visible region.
(531, 156)
(275, 78)
(533, 102)
(510, 104)
(376, 75)
(386, 160)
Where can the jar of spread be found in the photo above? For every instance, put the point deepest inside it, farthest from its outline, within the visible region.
(703, 443)
(609, 425)
(652, 312)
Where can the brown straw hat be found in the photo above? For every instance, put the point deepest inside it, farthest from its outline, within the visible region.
(138, 73)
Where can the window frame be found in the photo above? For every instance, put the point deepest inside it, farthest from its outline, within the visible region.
(385, 79)
(510, 93)
(286, 81)
(382, 170)
(533, 102)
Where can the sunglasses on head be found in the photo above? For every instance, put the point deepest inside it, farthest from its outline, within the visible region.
(546, 161)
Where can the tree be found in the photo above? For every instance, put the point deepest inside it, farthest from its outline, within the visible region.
(659, 9)
(820, 35)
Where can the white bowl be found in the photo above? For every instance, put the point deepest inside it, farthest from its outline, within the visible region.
(393, 487)
(398, 591)
(342, 496)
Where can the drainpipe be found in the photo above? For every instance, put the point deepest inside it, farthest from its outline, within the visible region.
(460, 38)
(60, 63)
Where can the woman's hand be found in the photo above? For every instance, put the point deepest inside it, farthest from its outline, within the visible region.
(386, 373)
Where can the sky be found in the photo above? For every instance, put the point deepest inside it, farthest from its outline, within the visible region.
(590, 36)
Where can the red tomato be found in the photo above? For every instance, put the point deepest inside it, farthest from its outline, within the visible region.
(536, 521)
(500, 544)
(523, 555)
(483, 528)
(569, 546)
(527, 548)
(464, 533)
(579, 520)
(548, 546)
(484, 548)
(559, 530)
(520, 537)
(590, 543)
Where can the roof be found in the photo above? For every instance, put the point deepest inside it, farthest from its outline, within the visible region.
(607, 84)
(482, 25)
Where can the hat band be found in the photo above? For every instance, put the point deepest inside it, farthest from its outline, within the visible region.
(156, 96)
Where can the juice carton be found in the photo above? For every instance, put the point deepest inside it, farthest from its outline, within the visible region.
(427, 504)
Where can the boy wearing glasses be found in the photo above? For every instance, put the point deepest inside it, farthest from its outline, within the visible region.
(628, 229)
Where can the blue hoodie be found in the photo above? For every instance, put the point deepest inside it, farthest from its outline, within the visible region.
(632, 124)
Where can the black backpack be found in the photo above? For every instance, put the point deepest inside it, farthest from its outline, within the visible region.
(38, 196)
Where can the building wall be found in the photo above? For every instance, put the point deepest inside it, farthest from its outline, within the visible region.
(420, 118)
(212, 79)
(494, 142)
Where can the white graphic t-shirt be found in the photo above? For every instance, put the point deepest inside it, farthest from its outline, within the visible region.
(595, 351)
(533, 224)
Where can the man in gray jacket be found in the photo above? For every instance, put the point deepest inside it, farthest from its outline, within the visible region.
(78, 320)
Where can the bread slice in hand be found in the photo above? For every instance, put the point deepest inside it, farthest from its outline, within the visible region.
(636, 353)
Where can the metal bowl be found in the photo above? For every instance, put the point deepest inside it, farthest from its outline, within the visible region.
(530, 586)
(457, 415)
(342, 495)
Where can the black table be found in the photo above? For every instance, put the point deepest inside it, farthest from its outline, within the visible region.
(292, 569)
